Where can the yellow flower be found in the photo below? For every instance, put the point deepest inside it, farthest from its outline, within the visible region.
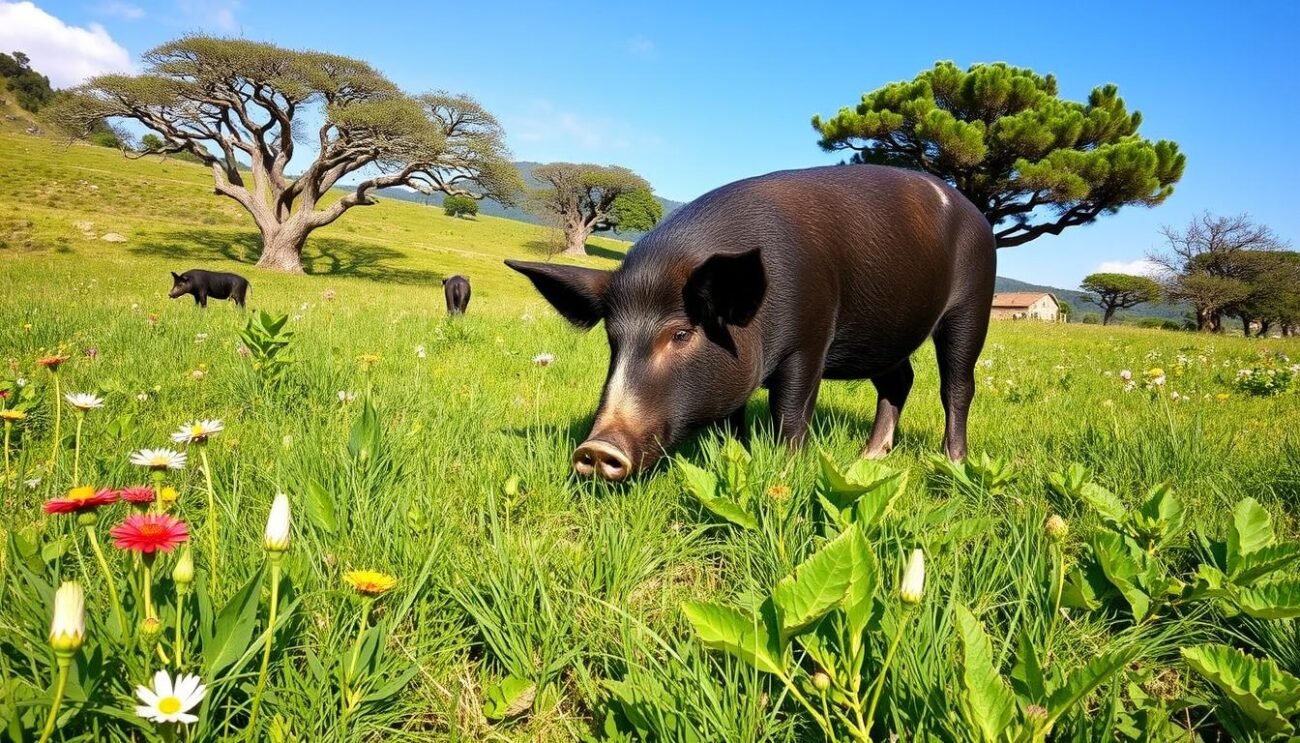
(168, 496)
(1156, 372)
(370, 582)
(12, 416)
(369, 359)
(1222, 396)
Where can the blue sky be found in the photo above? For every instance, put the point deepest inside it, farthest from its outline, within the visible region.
(695, 95)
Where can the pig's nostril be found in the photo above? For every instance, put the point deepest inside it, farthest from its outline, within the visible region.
(601, 459)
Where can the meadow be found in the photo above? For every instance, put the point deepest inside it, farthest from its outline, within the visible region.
(530, 605)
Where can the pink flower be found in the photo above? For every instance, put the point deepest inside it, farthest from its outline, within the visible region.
(149, 532)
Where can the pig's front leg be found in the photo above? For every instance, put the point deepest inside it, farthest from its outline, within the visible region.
(793, 393)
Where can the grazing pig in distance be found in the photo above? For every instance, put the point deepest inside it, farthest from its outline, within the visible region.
(203, 284)
(781, 281)
(456, 290)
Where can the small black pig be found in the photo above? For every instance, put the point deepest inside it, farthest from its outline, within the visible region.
(782, 281)
(456, 290)
(203, 284)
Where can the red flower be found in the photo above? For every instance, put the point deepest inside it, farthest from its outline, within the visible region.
(81, 499)
(149, 532)
(137, 494)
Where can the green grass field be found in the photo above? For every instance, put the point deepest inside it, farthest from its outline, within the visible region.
(559, 608)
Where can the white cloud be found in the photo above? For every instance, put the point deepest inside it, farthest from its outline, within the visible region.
(1139, 267)
(118, 9)
(543, 122)
(218, 15)
(66, 54)
(640, 46)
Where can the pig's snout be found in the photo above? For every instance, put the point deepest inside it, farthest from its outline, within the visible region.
(597, 458)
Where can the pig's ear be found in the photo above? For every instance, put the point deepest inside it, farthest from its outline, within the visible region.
(576, 293)
(725, 290)
(175, 277)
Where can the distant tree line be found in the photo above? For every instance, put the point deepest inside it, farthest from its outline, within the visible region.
(30, 88)
(1224, 267)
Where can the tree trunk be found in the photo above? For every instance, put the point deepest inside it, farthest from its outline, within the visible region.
(575, 241)
(1245, 326)
(282, 249)
(1264, 326)
(1110, 312)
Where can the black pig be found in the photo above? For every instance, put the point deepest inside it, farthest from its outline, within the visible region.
(203, 284)
(781, 281)
(456, 290)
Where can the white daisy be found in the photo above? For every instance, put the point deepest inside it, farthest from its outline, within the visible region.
(83, 401)
(420, 352)
(166, 702)
(159, 459)
(544, 359)
(197, 432)
(346, 396)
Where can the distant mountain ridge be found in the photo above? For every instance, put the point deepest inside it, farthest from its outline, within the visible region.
(495, 209)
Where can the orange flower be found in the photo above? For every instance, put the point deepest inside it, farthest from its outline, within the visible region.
(53, 362)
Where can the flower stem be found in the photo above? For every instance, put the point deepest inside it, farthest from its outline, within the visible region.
(65, 660)
(158, 476)
(179, 645)
(274, 558)
(146, 568)
(884, 670)
(212, 517)
(76, 451)
(1058, 587)
(58, 422)
(8, 427)
(108, 577)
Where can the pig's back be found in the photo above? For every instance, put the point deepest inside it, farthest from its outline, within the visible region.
(864, 258)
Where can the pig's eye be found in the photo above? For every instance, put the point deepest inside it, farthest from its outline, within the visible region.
(681, 336)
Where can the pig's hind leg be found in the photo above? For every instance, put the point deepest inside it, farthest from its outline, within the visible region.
(892, 389)
(958, 341)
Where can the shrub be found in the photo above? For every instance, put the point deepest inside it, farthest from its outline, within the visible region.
(1090, 318)
(457, 205)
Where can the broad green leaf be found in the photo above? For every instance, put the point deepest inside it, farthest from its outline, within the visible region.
(699, 482)
(729, 510)
(735, 469)
(1251, 530)
(1165, 511)
(1265, 693)
(818, 584)
(1027, 675)
(1265, 560)
(987, 703)
(509, 697)
(859, 597)
(1079, 592)
(1275, 600)
(1083, 680)
(731, 630)
(320, 508)
(877, 502)
(234, 627)
(1122, 563)
(1104, 502)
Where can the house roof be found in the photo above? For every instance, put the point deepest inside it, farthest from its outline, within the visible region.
(1019, 300)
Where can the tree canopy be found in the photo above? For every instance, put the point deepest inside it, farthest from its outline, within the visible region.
(242, 108)
(1221, 266)
(458, 205)
(1033, 163)
(31, 89)
(1118, 291)
(587, 198)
